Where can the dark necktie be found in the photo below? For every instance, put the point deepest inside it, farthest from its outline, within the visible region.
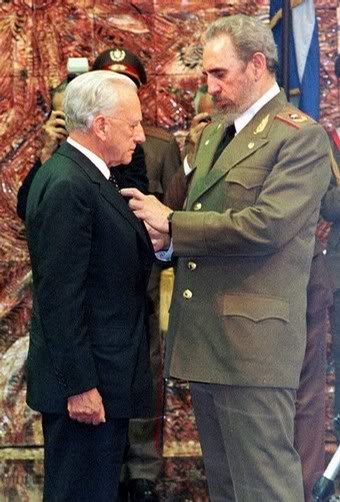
(228, 135)
(112, 178)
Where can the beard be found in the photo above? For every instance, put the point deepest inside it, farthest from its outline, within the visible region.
(231, 110)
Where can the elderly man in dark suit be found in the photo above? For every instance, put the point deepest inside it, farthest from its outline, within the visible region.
(144, 460)
(244, 246)
(88, 364)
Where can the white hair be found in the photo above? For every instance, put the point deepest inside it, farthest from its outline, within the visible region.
(92, 93)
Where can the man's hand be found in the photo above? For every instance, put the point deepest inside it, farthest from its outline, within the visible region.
(159, 241)
(53, 133)
(87, 407)
(149, 209)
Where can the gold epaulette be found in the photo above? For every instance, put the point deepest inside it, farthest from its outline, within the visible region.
(157, 132)
(294, 117)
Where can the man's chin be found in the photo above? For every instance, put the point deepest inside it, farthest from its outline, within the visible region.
(127, 158)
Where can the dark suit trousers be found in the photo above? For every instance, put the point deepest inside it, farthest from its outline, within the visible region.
(247, 438)
(82, 462)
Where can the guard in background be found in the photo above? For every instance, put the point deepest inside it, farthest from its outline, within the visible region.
(330, 210)
(309, 421)
(162, 160)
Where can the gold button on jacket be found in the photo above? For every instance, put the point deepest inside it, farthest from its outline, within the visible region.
(187, 294)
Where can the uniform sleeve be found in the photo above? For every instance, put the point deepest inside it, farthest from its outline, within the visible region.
(171, 163)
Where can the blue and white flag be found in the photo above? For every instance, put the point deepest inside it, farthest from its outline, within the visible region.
(304, 54)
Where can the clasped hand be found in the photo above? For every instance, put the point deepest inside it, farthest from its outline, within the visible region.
(87, 407)
(154, 214)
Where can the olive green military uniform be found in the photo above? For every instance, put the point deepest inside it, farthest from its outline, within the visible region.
(237, 326)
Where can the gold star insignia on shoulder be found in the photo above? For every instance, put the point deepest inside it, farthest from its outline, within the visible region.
(293, 118)
(296, 117)
(262, 125)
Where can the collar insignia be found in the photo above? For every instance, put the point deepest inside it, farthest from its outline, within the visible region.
(262, 125)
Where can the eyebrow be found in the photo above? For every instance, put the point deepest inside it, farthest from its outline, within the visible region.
(214, 70)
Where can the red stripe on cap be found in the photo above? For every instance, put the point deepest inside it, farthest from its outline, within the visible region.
(123, 68)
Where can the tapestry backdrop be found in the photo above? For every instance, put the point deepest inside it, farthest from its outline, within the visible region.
(36, 39)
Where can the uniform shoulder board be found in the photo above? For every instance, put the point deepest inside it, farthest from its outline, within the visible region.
(294, 117)
(157, 132)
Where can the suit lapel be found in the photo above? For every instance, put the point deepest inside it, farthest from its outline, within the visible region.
(107, 190)
(244, 145)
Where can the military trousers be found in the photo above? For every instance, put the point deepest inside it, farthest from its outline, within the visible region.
(247, 436)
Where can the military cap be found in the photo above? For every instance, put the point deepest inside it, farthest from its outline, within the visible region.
(122, 61)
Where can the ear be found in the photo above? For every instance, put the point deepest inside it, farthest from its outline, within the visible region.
(259, 63)
(99, 127)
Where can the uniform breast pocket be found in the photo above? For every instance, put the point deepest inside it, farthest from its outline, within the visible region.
(243, 186)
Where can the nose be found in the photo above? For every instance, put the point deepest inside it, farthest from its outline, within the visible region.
(213, 85)
(139, 134)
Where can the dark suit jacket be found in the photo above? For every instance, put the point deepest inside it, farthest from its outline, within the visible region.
(91, 261)
(133, 174)
(244, 248)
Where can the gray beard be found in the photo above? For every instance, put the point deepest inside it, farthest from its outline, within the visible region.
(230, 113)
(227, 118)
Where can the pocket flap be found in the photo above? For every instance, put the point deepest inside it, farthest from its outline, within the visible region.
(248, 177)
(255, 307)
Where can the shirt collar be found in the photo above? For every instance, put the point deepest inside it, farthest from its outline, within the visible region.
(97, 161)
(246, 117)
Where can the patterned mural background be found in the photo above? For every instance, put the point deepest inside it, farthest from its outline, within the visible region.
(36, 38)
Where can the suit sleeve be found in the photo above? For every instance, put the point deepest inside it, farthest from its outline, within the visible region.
(60, 253)
(25, 188)
(171, 163)
(289, 197)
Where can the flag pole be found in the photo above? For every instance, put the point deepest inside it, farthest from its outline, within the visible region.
(286, 24)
